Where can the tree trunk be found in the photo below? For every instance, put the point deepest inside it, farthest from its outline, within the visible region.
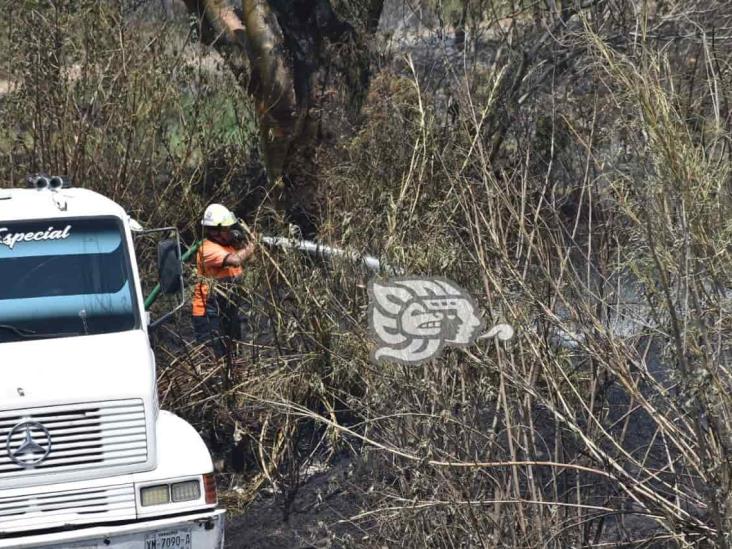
(307, 70)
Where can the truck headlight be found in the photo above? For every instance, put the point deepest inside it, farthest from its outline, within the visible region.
(155, 495)
(176, 492)
(185, 491)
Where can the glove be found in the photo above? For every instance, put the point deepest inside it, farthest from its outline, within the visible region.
(240, 234)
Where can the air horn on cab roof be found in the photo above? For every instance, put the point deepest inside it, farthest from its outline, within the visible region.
(43, 181)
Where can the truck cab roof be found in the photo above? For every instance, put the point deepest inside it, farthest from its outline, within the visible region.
(28, 204)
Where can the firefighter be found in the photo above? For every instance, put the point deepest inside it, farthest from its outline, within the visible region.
(219, 265)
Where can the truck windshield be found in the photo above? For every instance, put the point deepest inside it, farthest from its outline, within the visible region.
(63, 278)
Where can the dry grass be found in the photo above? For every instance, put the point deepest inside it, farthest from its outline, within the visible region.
(576, 181)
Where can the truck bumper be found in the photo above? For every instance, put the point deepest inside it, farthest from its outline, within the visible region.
(206, 532)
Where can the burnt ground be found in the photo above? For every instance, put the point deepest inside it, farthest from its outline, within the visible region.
(328, 499)
(319, 517)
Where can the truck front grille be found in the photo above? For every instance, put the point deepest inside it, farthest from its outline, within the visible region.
(48, 510)
(82, 436)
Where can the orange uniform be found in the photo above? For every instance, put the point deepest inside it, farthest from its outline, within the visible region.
(210, 264)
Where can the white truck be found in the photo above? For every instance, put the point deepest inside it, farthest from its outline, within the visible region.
(87, 458)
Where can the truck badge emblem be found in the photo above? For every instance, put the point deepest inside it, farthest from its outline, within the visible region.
(33, 446)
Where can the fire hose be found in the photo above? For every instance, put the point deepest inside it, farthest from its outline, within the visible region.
(312, 248)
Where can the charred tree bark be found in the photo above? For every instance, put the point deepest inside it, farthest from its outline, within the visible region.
(307, 69)
(218, 24)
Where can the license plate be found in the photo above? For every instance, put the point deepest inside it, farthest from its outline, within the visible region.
(178, 539)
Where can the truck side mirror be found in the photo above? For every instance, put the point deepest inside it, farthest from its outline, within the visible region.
(170, 270)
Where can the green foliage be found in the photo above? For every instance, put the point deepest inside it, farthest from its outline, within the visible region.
(125, 105)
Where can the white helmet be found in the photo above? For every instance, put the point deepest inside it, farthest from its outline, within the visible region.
(217, 215)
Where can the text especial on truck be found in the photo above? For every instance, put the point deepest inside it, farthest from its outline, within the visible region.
(87, 458)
